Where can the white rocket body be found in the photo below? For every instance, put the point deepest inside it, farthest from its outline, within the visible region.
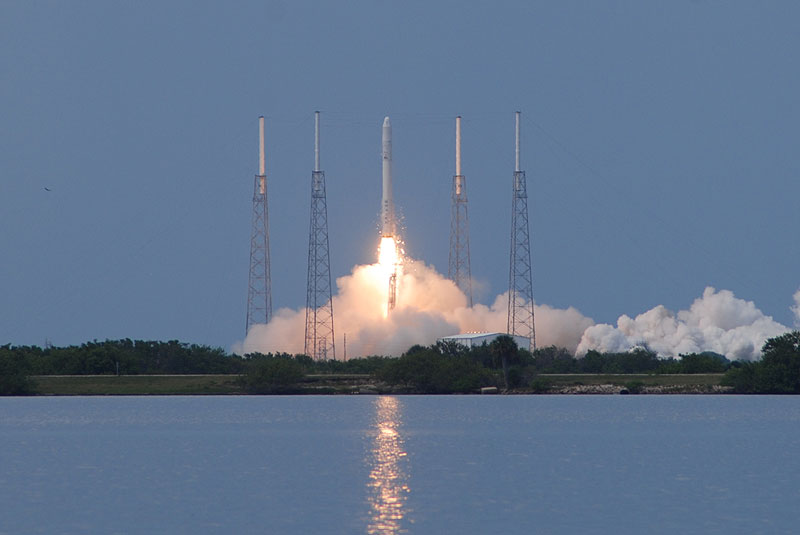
(387, 204)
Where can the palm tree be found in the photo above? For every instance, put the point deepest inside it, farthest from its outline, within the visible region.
(505, 348)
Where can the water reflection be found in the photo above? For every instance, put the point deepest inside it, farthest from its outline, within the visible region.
(387, 487)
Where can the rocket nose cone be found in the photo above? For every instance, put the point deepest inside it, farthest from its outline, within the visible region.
(386, 122)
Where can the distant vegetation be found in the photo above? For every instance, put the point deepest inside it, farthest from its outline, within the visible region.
(778, 371)
(124, 357)
(438, 369)
(433, 371)
(14, 371)
(272, 375)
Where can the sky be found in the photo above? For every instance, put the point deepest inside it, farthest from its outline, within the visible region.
(659, 142)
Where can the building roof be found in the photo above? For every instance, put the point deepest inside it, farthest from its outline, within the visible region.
(470, 339)
(470, 336)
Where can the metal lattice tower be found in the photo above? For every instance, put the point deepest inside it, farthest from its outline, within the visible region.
(458, 265)
(319, 342)
(520, 285)
(259, 289)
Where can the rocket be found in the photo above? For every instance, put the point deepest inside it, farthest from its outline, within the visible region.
(387, 205)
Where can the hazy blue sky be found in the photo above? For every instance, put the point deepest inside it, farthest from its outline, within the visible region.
(659, 139)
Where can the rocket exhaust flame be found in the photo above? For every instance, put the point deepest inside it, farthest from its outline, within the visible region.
(388, 256)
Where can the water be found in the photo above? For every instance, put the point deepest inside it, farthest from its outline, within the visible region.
(412, 464)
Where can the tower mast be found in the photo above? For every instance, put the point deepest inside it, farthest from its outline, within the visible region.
(319, 337)
(520, 285)
(259, 290)
(459, 270)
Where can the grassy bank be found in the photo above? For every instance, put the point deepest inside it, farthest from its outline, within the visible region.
(574, 379)
(125, 385)
(129, 385)
(164, 385)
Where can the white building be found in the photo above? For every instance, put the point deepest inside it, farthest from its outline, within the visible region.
(478, 339)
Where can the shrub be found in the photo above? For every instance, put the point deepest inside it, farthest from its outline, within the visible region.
(430, 372)
(540, 385)
(14, 380)
(272, 375)
(778, 372)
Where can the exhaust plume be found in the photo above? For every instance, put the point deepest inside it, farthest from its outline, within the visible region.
(430, 306)
(796, 309)
(718, 321)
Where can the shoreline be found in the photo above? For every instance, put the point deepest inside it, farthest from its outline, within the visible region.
(363, 384)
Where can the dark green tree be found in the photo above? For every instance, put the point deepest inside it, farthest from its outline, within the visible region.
(426, 370)
(272, 375)
(778, 371)
(780, 362)
(552, 359)
(504, 349)
(14, 370)
(706, 362)
(593, 362)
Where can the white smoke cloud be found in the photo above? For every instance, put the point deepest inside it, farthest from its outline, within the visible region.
(796, 309)
(718, 321)
(428, 307)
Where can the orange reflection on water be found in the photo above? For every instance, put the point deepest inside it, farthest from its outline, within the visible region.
(387, 481)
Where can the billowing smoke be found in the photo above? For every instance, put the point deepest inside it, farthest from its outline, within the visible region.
(718, 321)
(430, 306)
(796, 309)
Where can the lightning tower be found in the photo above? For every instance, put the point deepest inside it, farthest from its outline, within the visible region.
(319, 342)
(520, 285)
(259, 290)
(458, 266)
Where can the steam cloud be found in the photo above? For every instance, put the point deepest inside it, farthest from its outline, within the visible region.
(718, 321)
(430, 306)
(796, 309)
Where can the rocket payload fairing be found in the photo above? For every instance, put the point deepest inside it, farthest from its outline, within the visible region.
(387, 205)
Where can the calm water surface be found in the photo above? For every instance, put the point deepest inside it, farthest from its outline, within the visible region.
(411, 464)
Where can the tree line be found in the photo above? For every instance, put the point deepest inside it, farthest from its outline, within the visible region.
(445, 367)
